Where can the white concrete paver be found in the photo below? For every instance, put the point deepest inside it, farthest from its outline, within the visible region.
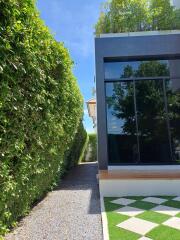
(154, 200)
(173, 222)
(176, 199)
(129, 211)
(123, 201)
(166, 210)
(137, 225)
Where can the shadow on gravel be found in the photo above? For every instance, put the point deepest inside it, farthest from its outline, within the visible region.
(83, 177)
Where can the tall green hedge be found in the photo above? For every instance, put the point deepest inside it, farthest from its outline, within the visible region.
(77, 150)
(92, 147)
(40, 109)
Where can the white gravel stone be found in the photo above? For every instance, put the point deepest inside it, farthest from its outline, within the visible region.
(71, 212)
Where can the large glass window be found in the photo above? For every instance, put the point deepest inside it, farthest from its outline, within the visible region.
(143, 112)
(173, 104)
(121, 70)
(152, 122)
(121, 122)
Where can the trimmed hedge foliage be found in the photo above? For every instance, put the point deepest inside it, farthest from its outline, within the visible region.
(41, 131)
(93, 143)
(77, 150)
(91, 151)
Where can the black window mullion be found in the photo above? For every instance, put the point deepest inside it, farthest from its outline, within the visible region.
(137, 126)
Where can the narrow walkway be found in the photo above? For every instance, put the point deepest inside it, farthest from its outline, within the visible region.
(71, 212)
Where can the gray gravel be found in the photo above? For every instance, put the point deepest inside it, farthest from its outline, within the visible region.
(70, 212)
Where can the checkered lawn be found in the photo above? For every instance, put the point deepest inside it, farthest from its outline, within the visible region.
(143, 218)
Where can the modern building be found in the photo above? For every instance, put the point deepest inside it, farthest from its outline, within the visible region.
(138, 113)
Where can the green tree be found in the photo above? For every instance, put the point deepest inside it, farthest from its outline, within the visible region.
(162, 15)
(134, 15)
(122, 16)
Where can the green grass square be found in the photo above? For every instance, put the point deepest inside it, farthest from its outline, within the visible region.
(110, 210)
(110, 207)
(114, 219)
(143, 205)
(172, 203)
(109, 199)
(116, 233)
(153, 217)
(178, 215)
(164, 233)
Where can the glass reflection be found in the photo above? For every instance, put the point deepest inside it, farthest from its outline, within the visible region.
(173, 100)
(122, 139)
(143, 115)
(117, 70)
(152, 122)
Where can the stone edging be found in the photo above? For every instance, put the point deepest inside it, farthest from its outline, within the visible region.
(104, 220)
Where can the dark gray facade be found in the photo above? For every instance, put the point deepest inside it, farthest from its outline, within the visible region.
(125, 48)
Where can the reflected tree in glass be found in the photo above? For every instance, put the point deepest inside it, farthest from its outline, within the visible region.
(152, 118)
(122, 143)
(173, 96)
(148, 93)
(151, 111)
(122, 106)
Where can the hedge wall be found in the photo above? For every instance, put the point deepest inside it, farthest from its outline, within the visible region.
(93, 147)
(77, 151)
(40, 110)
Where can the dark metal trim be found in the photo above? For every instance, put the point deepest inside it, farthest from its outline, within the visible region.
(137, 125)
(141, 58)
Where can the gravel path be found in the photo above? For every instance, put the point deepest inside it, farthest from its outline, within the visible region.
(71, 212)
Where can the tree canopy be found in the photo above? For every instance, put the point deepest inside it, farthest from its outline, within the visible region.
(134, 15)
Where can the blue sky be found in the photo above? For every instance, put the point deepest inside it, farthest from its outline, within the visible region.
(72, 22)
